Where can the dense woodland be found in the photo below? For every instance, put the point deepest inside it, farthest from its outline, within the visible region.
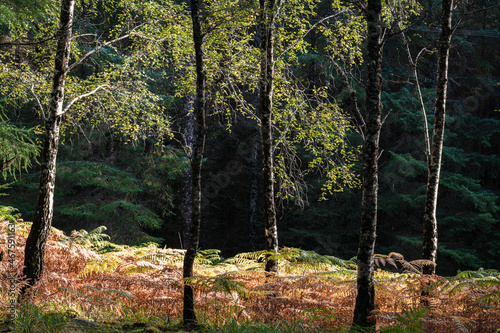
(155, 90)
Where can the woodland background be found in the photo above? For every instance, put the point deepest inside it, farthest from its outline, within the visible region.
(135, 183)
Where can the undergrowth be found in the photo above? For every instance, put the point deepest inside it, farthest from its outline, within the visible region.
(117, 288)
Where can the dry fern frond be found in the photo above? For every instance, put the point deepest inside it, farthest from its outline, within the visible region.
(105, 290)
(256, 255)
(243, 263)
(421, 263)
(459, 324)
(396, 256)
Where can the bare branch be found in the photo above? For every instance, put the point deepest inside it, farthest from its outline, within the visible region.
(242, 103)
(413, 65)
(38, 102)
(83, 35)
(353, 95)
(287, 128)
(82, 96)
(32, 92)
(385, 117)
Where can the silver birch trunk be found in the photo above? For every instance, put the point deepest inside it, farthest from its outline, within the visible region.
(266, 22)
(42, 220)
(365, 299)
(189, 315)
(430, 230)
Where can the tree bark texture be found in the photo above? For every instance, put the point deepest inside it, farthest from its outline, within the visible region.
(430, 230)
(365, 299)
(253, 206)
(42, 220)
(189, 315)
(266, 22)
(187, 188)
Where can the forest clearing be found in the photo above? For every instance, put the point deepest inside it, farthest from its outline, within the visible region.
(139, 289)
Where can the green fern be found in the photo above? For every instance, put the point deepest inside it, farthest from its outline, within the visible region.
(408, 321)
(480, 279)
(8, 213)
(17, 149)
(108, 264)
(90, 239)
(292, 259)
(219, 284)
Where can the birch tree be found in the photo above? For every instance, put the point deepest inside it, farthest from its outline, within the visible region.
(189, 316)
(430, 235)
(266, 25)
(42, 220)
(365, 299)
(119, 89)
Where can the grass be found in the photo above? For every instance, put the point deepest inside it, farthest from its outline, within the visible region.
(139, 289)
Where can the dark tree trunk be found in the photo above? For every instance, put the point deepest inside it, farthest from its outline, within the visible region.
(266, 22)
(187, 188)
(365, 299)
(253, 207)
(189, 316)
(430, 234)
(42, 220)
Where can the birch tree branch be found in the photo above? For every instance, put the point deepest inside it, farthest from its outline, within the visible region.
(308, 31)
(82, 96)
(98, 48)
(38, 102)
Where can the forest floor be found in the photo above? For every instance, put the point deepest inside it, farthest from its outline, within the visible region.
(96, 286)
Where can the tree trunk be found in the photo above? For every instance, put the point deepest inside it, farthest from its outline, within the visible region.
(189, 316)
(42, 220)
(253, 207)
(430, 234)
(266, 22)
(365, 299)
(187, 182)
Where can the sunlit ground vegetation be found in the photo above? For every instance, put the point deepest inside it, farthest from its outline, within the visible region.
(93, 285)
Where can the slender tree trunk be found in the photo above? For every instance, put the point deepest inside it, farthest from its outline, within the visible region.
(430, 234)
(187, 188)
(189, 316)
(365, 299)
(267, 11)
(253, 208)
(42, 220)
